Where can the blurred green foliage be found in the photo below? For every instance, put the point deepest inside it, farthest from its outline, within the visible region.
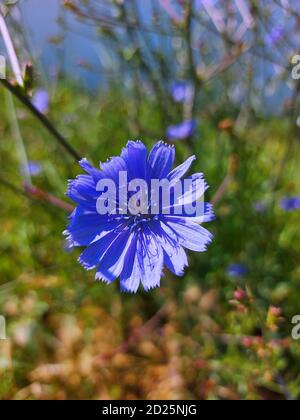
(69, 337)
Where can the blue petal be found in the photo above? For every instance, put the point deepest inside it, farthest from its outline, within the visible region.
(112, 168)
(207, 215)
(176, 260)
(196, 188)
(91, 257)
(131, 276)
(181, 170)
(113, 261)
(189, 235)
(161, 160)
(85, 226)
(174, 255)
(82, 190)
(87, 167)
(150, 259)
(135, 155)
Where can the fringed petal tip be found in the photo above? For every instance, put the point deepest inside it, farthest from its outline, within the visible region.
(86, 166)
(179, 272)
(151, 287)
(70, 185)
(66, 233)
(133, 143)
(128, 290)
(85, 265)
(69, 239)
(200, 177)
(209, 240)
(100, 277)
(165, 144)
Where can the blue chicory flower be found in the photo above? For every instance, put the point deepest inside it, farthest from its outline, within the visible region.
(181, 131)
(135, 247)
(237, 270)
(290, 203)
(41, 100)
(181, 91)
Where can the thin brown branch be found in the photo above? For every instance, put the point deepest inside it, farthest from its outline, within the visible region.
(134, 337)
(47, 198)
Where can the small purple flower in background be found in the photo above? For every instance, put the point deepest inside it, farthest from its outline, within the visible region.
(181, 91)
(181, 131)
(33, 168)
(260, 207)
(290, 203)
(41, 100)
(135, 246)
(275, 36)
(237, 270)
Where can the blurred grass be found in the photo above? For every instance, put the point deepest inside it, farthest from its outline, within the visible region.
(64, 330)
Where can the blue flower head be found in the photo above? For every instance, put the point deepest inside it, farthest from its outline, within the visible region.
(237, 270)
(131, 242)
(181, 91)
(182, 130)
(33, 168)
